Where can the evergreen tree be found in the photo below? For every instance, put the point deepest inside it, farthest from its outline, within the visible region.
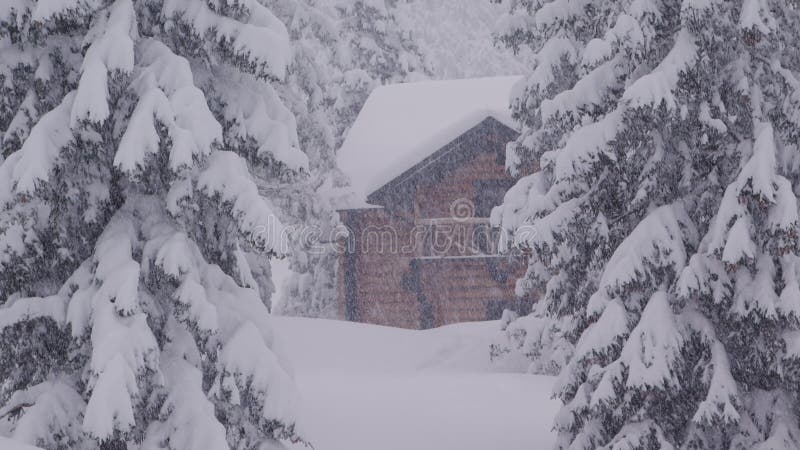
(309, 91)
(375, 49)
(660, 166)
(343, 50)
(135, 135)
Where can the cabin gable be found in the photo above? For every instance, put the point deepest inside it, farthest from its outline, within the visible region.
(427, 257)
(487, 141)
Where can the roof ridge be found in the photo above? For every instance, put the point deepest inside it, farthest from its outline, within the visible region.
(402, 124)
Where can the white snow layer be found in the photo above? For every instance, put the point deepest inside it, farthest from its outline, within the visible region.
(368, 387)
(402, 124)
(8, 444)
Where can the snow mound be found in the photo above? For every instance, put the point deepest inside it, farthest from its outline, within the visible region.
(349, 346)
(368, 387)
(8, 444)
(402, 124)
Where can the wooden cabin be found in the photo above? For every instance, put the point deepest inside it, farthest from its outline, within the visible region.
(427, 161)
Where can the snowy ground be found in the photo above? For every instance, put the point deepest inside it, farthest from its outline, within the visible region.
(8, 444)
(375, 388)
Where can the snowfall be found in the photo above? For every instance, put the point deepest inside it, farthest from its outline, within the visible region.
(367, 387)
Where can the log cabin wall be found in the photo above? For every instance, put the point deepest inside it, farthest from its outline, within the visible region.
(470, 290)
(439, 198)
(374, 266)
(392, 273)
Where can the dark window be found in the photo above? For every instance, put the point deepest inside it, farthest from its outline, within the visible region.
(490, 193)
(498, 272)
(495, 308)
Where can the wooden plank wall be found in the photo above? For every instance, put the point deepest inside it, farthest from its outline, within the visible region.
(451, 289)
(460, 290)
(381, 264)
(436, 198)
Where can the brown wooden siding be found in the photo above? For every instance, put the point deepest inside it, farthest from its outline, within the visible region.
(462, 290)
(395, 281)
(436, 198)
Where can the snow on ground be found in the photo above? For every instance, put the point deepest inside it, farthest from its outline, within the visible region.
(8, 444)
(366, 387)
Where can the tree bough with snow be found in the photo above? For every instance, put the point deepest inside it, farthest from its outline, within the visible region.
(660, 167)
(134, 133)
(343, 50)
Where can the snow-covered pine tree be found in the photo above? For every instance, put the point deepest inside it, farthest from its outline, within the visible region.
(312, 77)
(665, 212)
(134, 132)
(343, 50)
(454, 36)
(310, 92)
(374, 50)
(310, 81)
(573, 187)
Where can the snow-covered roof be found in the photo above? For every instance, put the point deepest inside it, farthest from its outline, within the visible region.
(402, 124)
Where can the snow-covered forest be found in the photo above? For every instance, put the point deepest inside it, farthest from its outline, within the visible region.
(399, 224)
